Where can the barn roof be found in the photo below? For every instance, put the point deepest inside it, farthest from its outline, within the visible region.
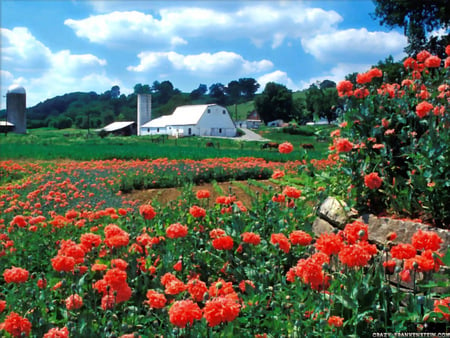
(6, 123)
(183, 115)
(117, 126)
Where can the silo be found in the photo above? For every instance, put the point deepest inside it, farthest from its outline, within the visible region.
(15, 108)
(144, 110)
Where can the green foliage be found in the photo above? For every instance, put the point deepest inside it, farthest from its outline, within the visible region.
(408, 147)
(275, 102)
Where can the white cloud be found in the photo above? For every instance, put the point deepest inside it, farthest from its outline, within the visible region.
(201, 65)
(268, 22)
(44, 73)
(279, 77)
(351, 45)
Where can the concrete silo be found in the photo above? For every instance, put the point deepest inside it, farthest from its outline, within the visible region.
(144, 110)
(16, 100)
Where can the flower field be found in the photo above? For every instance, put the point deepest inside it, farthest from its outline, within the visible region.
(80, 259)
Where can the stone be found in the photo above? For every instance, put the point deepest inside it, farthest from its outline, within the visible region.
(321, 226)
(380, 227)
(333, 211)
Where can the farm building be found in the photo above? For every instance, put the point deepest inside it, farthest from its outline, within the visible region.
(125, 128)
(16, 118)
(192, 120)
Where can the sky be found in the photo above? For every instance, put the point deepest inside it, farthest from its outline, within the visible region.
(55, 47)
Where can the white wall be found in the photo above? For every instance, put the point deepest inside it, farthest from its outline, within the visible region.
(153, 131)
(216, 121)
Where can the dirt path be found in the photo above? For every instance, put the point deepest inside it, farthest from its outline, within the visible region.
(243, 191)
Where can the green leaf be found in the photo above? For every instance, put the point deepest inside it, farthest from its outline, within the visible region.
(444, 309)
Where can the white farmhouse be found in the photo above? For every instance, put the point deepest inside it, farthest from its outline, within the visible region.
(193, 120)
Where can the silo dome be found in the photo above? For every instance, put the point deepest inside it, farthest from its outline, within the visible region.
(16, 89)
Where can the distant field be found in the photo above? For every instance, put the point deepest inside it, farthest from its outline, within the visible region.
(76, 144)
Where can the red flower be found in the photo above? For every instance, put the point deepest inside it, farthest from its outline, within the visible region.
(345, 88)
(423, 108)
(285, 148)
(356, 231)
(184, 312)
(361, 93)
(197, 211)
(335, 321)
(147, 211)
(178, 266)
(292, 192)
(423, 55)
(176, 230)
(389, 266)
(223, 243)
(197, 289)
(16, 325)
(426, 240)
(119, 263)
(403, 251)
(174, 287)
(445, 303)
(57, 333)
(343, 145)
(433, 61)
(282, 242)
(216, 233)
(405, 276)
(220, 310)
(277, 174)
(203, 194)
(2, 305)
(300, 237)
(15, 275)
(115, 236)
(155, 299)
(222, 288)
(310, 272)
(108, 302)
(329, 243)
(279, 198)
(90, 240)
(372, 181)
(447, 50)
(354, 255)
(251, 238)
(74, 302)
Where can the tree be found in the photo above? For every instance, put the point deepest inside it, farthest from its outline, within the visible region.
(199, 92)
(217, 91)
(165, 92)
(327, 84)
(115, 92)
(275, 102)
(415, 17)
(249, 86)
(233, 90)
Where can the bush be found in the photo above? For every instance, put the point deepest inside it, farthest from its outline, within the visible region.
(399, 131)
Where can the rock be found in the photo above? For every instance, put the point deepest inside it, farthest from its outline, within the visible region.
(380, 227)
(333, 211)
(321, 226)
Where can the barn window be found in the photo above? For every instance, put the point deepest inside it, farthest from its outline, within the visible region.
(209, 111)
(148, 130)
(189, 131)
(220, 130)
(157, 130)
(223, 112)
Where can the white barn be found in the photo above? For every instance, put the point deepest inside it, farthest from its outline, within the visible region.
(193, 120)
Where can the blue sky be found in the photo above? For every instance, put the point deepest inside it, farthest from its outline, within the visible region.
(54, 47)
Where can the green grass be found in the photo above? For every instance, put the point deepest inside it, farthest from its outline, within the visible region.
(76, 144)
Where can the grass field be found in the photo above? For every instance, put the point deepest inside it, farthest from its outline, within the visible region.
(76, 144)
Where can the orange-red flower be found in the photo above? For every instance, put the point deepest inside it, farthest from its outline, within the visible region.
(372, 181)
(277, 174)
(345, 88)
(177, 230)
(220, 310)
(329, 243)
(74, 302)
(147, 211)
(184, 312)
(292, 192)
(155, 299)
(285, 148)
(57, 333)
(197, 289)
(423, 108)
(15, 275)
(299, 237)
(203, 194)
(2, 305)
(16, 325)
(403, 251)
(223, 243)
(354, 255)
(197, 211)
(251, 238)
(426, 240)
(433, 61)
(335, 321)
(343, 145)
(356, 231)
(282, 242)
